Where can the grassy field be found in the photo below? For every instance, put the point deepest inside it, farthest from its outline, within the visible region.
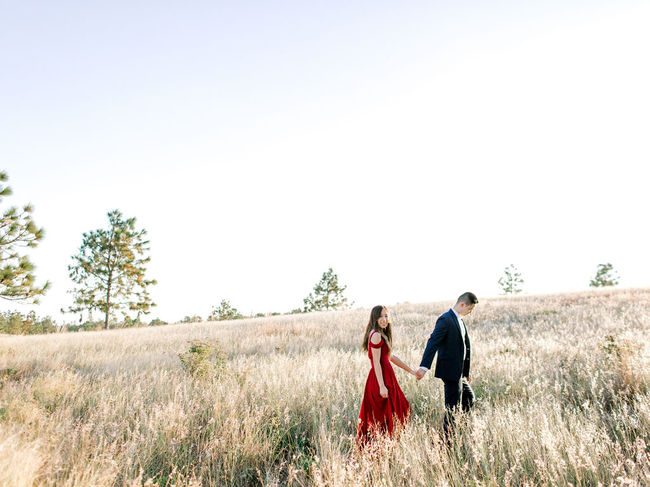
(562, 385)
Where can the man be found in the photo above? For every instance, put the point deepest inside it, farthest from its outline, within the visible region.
(451, 341)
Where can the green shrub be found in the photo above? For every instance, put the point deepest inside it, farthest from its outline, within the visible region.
(203, 360)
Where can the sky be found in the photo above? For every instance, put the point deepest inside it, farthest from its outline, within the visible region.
(417, 148)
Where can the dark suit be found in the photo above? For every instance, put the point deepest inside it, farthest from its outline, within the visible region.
(452, 365)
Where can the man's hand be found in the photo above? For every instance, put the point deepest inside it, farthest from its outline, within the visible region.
(420, 373)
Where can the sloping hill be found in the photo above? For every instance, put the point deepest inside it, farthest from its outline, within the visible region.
(561, 381)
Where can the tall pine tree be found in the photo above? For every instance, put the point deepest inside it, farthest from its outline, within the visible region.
(18, 230)
(110, 270)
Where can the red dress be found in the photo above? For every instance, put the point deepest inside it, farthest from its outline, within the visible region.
(377, 414)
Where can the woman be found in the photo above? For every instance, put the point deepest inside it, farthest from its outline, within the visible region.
(383, 406)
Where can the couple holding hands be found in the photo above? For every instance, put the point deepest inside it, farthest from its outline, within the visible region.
(384, 406)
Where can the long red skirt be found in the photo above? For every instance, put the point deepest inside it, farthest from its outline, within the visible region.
(381, 415)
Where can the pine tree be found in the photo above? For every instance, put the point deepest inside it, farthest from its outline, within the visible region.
(327, 294)
(605, 276)
(511, 280)
(110, 270)
(18, 230)
(224, 311)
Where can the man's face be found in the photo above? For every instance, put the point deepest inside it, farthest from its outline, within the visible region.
(465, 309)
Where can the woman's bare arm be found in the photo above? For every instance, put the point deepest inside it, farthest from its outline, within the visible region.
(396, 360)
(375, 339)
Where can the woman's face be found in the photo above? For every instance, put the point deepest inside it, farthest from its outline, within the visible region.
(382, 321)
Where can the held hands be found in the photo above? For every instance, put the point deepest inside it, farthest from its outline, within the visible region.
(383, 392)
(420, 373)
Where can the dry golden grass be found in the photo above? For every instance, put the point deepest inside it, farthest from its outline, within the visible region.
(561, 381)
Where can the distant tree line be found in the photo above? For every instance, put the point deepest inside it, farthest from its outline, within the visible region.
(326, 295)
(109, 273)
(15, 323)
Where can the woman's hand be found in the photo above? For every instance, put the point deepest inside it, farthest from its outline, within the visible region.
(383, 392)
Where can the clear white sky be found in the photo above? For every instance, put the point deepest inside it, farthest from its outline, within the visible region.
(416, 147)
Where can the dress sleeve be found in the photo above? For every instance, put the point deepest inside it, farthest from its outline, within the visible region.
(372, 345)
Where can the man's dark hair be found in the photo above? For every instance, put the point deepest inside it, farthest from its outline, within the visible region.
(467, 298)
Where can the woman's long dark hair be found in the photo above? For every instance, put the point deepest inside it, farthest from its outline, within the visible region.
(373, 324)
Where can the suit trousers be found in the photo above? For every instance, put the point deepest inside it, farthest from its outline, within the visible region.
(456, 392)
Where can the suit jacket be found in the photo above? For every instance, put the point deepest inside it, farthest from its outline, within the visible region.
(447, 341)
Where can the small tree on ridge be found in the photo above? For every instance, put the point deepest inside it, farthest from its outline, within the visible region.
(224, 311)
(605, 276)
(511, 280)
(327, 294)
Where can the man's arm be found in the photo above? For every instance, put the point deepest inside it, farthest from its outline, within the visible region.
(433, 344)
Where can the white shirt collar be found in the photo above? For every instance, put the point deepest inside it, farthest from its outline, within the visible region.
(457, 315)
(461, 324)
